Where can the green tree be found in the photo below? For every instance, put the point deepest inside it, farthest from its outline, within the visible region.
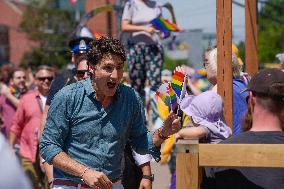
(271, 30)
(50, 28)
(170, 64)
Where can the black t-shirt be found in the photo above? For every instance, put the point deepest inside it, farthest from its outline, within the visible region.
(252, 178)
(66, 77)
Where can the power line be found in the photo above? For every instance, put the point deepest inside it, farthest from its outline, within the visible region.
(279, 21)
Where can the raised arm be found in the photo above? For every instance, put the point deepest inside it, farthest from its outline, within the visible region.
(5, 91)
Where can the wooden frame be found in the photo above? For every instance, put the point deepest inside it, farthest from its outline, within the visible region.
(224, 46)
(224, 56)
(192, 156)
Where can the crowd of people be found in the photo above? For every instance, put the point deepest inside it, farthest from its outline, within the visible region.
(85, 128)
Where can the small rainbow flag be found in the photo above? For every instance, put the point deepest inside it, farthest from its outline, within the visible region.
(177, 82)
(162, 93)
(173, 98)
(164, 26)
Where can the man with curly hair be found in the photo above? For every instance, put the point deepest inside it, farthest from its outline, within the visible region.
(90, 121)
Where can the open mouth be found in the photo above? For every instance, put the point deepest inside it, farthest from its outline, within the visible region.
(111, 85)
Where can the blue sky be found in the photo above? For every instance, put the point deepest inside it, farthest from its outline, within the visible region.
(201, 14)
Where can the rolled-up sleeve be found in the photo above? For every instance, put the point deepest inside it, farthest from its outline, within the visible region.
(141, 139)
(56, 128)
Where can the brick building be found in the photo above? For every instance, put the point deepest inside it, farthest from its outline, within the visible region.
(13, 42)
(104, 23)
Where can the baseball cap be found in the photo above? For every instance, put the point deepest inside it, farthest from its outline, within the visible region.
(269, 81)
(80, 44)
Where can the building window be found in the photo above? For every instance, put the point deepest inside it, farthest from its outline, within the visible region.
(4, 44)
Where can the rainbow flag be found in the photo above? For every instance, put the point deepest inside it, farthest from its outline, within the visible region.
(162, 93)
(173, 98)
(177, 82)
(164, 26)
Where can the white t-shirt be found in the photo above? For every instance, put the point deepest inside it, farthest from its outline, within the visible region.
(43, 100)
(141, 13)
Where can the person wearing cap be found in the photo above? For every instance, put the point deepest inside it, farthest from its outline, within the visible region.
(266, 101)
(239, 98)
(90, 121)
(78, 47)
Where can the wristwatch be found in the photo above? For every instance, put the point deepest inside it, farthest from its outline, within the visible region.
(149, 177)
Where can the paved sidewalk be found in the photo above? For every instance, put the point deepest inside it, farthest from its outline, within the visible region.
(162, 176)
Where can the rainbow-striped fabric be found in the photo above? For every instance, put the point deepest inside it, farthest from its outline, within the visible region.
(163, 94)
(171, 93)
(164, 26)
(167, 95)
(173, 98)
(177, 82)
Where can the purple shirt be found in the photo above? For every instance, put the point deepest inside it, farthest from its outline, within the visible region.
(7, 110)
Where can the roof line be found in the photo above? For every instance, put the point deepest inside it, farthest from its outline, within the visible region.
(14, 7)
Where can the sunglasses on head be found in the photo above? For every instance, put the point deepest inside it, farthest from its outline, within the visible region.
(44, 78)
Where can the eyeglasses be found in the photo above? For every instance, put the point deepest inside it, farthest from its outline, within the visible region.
(44, 78)
(82, 73)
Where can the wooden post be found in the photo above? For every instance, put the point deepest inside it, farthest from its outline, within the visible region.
(224, 56)
(251, 37)
(187, 167)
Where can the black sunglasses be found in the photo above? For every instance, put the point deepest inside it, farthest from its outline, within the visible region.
(81, 73)
(44, 78)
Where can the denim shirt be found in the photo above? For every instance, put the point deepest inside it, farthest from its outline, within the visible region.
(80, 126)
(239, 105)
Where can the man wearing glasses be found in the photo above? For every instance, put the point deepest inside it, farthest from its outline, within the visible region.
(90, 121)
(26, 124)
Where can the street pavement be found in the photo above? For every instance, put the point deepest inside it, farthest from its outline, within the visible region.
(162, 176)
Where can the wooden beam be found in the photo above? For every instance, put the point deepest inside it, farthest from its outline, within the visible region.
(224, 56)
(187, 167)
(241, 155)
(251, 37)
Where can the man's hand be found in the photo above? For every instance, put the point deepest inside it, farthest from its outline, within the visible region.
(145, 184)
(94, 178)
